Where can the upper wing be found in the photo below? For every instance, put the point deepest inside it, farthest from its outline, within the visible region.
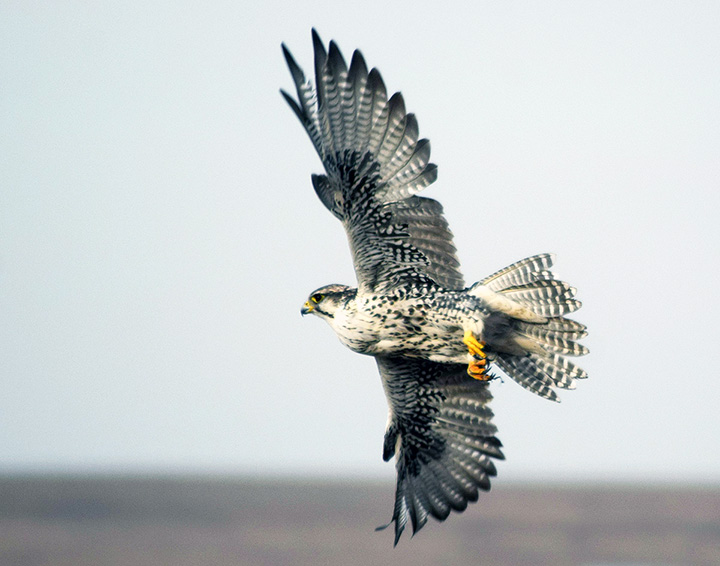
(375, 164)
(441, 434)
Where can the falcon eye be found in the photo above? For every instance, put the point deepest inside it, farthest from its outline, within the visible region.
(317, 297)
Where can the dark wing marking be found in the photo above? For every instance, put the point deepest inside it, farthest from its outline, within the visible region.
(429, 233)
(441, 435)
(374, 166)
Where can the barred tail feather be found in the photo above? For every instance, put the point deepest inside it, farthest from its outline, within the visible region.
(522, 272)
(540, 374)
(554, 340)
(545, 297)
(528, 286)
(543, 367)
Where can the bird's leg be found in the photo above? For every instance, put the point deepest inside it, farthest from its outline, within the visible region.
(477, 368)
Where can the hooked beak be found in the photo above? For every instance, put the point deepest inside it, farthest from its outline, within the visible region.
(306, 308)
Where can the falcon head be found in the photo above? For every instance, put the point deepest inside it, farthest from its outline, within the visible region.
(324, 301)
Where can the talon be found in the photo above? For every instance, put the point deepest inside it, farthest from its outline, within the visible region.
(477, 368)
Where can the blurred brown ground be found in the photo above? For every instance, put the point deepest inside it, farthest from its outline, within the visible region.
(178, 521)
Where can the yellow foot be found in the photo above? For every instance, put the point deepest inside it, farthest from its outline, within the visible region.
(476, 369)
(475, 347)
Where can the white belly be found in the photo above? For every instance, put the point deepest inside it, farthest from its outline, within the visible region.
(407, 328)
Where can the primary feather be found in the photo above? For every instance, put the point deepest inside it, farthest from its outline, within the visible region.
(374, 165)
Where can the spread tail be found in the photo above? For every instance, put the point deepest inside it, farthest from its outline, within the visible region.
(537, 303)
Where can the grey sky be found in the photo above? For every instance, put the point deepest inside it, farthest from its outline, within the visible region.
(159, 233)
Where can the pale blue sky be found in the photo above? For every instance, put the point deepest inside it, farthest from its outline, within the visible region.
(159, 233)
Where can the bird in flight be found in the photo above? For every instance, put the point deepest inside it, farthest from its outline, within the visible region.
(434, 339)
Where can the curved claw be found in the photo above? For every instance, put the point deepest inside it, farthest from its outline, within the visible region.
(476, 369)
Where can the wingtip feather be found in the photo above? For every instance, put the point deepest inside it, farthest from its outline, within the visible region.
(295, 70)
(358, 68)
(336, 59)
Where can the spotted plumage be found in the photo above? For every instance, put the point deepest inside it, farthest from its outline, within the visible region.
(432, 336)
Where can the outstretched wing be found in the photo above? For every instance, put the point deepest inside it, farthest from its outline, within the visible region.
(375, 164)
(441, 435)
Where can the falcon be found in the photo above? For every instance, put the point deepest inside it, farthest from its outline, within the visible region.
(434, 339)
